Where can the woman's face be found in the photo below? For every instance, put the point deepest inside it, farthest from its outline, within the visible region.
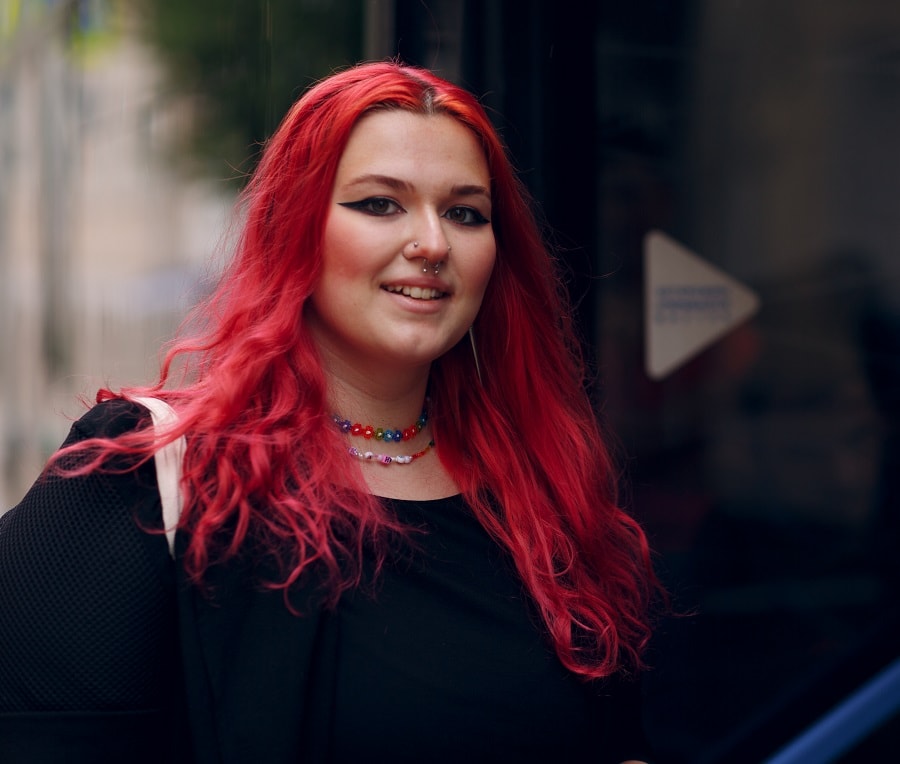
(408, 246)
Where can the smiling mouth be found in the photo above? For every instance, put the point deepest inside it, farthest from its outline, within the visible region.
(417, 293)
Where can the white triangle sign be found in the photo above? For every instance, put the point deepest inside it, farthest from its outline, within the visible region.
(688, 304)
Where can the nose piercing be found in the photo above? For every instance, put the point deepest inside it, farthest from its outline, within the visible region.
(435, 268)
(415, 245)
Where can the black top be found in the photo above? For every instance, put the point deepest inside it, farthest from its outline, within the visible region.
(445, 660)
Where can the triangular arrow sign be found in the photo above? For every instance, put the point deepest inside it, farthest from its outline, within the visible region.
(688, 304)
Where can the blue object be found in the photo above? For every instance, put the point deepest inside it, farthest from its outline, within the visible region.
(846, 724)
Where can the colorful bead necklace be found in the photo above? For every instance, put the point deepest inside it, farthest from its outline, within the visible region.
(387, 435)
(386, 459)
(381, 433)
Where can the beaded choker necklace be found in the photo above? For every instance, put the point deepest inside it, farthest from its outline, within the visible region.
(387, 435)
(380, 433)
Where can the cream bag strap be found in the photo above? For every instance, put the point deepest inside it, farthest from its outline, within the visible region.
(168, 466)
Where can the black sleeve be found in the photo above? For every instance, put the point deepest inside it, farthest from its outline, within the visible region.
(89, 663)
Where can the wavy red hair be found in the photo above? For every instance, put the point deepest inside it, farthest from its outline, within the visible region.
(524, 447)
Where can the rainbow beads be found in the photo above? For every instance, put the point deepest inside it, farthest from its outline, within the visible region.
(387, 435)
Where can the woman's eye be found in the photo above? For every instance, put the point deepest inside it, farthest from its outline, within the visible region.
(375, 205)
(465, 216)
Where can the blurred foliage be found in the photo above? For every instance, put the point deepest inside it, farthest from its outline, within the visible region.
(241, 63)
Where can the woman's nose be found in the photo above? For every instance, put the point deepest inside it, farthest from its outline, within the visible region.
(430, 244)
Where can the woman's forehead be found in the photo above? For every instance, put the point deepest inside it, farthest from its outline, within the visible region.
(406, 145)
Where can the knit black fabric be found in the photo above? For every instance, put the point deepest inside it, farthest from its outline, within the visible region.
(88, 621)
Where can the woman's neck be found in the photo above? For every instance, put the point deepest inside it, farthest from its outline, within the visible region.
(393, 400)
(389, 399)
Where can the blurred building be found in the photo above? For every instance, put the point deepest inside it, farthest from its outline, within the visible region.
(102, 239)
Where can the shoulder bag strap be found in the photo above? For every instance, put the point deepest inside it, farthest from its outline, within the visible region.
(168, 466)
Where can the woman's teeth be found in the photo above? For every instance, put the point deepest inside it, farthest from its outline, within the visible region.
(417, 293)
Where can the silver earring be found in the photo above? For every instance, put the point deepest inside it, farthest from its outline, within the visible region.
(475, 356)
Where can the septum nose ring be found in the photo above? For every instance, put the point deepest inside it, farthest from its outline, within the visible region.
(437, 266)
(434, 268)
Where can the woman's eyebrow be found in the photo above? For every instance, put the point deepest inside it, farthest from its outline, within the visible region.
(384, 180)
(401, 185)
(471, 190)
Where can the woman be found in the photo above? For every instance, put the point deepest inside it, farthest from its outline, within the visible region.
(399, 538)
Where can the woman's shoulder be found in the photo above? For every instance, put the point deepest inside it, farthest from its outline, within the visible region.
(67, 489)
(109, 419)
(121, 485)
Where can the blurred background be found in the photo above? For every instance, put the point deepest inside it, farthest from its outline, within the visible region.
(763, 136)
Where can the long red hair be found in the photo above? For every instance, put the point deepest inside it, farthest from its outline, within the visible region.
(524, 446)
